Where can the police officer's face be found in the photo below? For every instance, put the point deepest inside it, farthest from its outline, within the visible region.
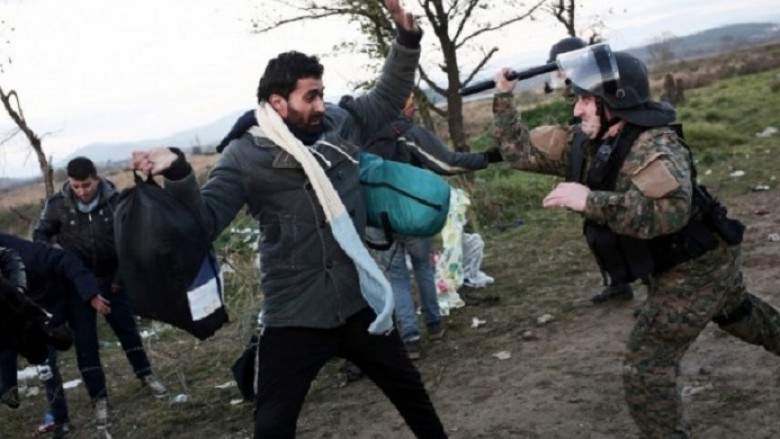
(585, 108)
(304, 107)
(84, 190)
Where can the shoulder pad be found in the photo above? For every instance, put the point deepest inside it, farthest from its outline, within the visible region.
(550, 139)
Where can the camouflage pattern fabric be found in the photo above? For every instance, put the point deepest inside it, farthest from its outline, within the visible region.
(652, 197)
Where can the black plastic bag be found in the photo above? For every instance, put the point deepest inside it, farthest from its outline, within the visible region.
(166, 260)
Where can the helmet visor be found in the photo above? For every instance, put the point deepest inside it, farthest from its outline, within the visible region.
(592, 69)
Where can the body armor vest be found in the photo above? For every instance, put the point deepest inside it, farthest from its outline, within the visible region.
(625, 258)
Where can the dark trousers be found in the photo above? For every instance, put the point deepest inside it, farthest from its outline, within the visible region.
(8, 373)
(290, 358)
(55, 393)
(82, 319)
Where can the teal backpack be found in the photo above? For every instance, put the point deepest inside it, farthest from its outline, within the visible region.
(402, 198)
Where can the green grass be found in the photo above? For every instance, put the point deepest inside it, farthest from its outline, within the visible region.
(735, 108)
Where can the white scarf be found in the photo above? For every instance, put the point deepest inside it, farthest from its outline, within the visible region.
(373, 284)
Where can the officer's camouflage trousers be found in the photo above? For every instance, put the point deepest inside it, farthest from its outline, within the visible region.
(677, 309)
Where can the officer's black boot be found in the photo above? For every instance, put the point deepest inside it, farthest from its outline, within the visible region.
(614, 292)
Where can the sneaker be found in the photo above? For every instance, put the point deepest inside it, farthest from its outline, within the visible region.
(481, 280)
(155, 386)
(11, 398)
(47, 424)
(436, 332)
(60, 431)
(614, 292)
(413, 349)
(101, 413)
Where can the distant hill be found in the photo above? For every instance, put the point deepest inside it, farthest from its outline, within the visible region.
(716, 40)
(205, 136)
(10, 183)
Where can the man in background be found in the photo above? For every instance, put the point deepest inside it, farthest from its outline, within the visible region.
(80, 219)
(404, 141)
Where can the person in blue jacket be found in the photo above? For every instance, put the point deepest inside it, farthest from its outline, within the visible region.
(53, 276)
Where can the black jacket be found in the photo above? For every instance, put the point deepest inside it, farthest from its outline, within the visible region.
(48, 267)
(12, 268)
(89, 235)
(23, 323)
(405, 142)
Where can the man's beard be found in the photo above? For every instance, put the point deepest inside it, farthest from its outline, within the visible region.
(306, 133)
(312, 125)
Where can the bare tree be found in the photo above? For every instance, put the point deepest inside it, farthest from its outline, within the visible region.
(13, 107)
(457, 25)
(563, 11)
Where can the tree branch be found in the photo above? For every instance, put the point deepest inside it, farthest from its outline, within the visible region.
(479, 66)
(500, 25)
(10, 136)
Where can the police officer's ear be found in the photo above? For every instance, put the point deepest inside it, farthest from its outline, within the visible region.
(279, 104)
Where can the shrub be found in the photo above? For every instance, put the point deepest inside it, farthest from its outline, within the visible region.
(509, 196)
(713, 116)
(555, 112)
(774, 86)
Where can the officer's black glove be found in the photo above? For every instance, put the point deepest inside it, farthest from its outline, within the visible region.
(493, 155)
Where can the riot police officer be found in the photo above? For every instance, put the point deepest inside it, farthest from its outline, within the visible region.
(614, 289)
(633, 181)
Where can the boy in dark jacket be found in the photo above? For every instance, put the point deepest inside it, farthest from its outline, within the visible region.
(80, 219)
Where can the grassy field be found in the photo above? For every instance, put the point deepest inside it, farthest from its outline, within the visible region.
(537, 256)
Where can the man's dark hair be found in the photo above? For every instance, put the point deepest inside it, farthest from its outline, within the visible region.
(81, 168)
(283, 72)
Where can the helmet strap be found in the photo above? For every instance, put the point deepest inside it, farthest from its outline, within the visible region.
(605, 124)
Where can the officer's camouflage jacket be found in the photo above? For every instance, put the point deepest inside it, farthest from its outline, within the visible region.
(652, 195)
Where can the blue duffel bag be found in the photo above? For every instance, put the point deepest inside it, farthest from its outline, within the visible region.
(403, 198)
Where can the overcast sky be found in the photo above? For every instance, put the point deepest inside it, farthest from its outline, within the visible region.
(95, 70)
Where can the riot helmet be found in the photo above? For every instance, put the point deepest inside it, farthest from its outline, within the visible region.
(620, 80)
(557, 79)
(565, 45)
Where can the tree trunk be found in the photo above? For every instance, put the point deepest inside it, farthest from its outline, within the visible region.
(454, 101)
(35, 142)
